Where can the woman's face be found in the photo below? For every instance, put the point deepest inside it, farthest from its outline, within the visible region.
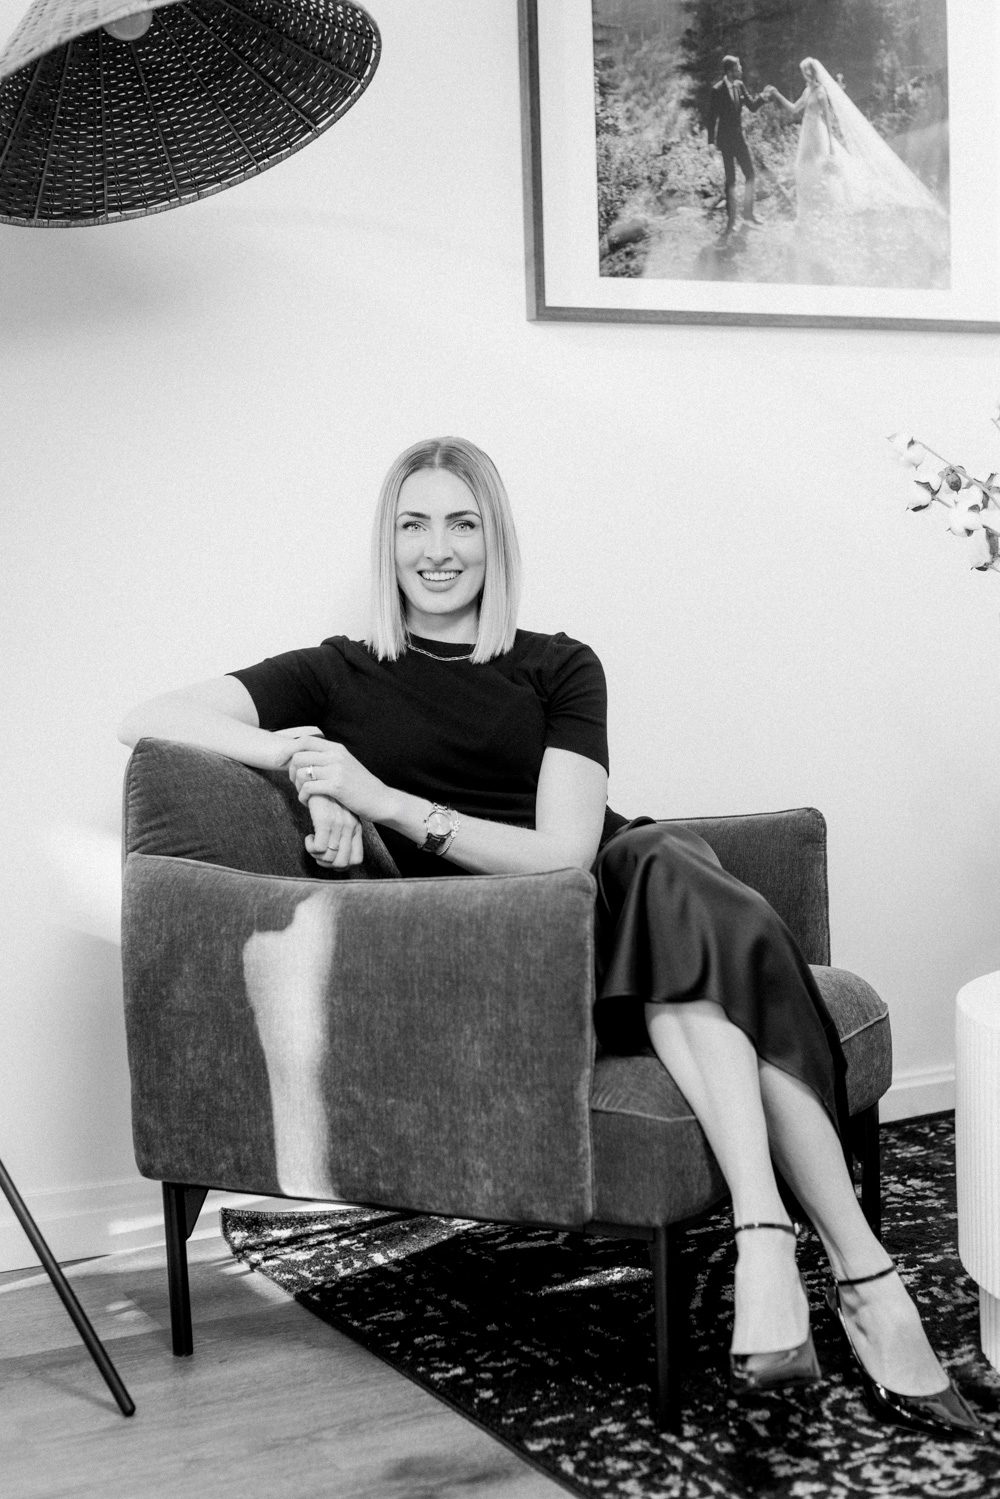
(808, 72)
(440, 551)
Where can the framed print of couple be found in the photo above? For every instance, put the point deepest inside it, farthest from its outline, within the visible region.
(813, 162)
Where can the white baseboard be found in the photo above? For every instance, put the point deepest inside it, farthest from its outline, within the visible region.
(924, 1090)
(79, 1222)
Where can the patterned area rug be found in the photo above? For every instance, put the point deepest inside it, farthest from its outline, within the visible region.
(545, 1339)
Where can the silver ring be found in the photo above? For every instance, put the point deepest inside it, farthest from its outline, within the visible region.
(310, 773)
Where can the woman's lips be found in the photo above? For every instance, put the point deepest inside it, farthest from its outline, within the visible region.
(444, 576)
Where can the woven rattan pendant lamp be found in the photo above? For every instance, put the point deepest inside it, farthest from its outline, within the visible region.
(108, 114)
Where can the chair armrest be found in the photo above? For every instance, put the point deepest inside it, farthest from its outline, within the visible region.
(191, 803)
(422, 1044)
(781, 855)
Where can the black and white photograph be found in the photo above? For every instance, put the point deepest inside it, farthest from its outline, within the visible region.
(824, 162)
(499, 827)
(803, 143)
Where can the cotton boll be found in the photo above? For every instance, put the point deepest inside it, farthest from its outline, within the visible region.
(965, 520)
(979, 550)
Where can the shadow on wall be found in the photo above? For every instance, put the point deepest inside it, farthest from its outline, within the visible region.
(80, 1035)
(63, 280)
(86, 865)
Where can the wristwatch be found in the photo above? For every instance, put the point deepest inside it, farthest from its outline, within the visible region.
(442, 824)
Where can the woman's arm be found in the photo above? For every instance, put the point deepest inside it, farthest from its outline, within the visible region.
(569, 811)
(215, 715)
(220, 715)
(793, 109)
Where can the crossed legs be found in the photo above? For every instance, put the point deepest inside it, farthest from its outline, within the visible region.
(754, 1114)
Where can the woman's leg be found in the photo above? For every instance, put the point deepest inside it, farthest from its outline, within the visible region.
(751, 1111)
(716, 1068)
(885, 1325)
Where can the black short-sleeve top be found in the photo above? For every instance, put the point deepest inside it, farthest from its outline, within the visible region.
(468, 736)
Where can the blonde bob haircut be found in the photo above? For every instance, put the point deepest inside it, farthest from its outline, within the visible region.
(388, 636)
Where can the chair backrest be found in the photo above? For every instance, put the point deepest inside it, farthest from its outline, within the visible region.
(193, 804)
(781, 855)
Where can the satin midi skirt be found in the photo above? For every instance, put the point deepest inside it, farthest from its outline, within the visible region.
(672, 925)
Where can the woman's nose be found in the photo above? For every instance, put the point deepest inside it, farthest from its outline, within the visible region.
(438, 544)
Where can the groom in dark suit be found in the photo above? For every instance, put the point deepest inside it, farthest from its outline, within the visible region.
(730, 97)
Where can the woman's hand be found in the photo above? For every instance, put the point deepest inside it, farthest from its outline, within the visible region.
(335, 842)
(322, 768)
(289, 740)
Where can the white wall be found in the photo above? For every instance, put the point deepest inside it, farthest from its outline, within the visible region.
(197, 409)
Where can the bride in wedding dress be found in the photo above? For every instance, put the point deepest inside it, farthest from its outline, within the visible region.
(855, 173)
(862, 217)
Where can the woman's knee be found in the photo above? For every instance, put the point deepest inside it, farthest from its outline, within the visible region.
(657, 844)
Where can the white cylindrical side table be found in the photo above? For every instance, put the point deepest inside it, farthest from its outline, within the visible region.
(977, 1147)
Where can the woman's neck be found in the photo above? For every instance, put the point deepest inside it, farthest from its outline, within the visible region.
(461, 630)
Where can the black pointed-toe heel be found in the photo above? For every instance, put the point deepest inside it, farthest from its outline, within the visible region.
(944, 1414)
(750, 1373)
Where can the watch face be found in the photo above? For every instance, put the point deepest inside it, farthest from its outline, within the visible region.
(439, 824)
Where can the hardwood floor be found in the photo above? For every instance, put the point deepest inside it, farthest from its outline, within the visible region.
(273, 1403)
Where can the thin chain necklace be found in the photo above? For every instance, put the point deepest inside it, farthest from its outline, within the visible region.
(433, 657)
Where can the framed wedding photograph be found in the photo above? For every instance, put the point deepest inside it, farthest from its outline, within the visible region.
(807, 162)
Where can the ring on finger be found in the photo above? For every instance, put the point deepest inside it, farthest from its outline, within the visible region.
(310, 772)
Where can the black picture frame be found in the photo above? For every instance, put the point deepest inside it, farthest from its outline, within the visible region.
(546, 305)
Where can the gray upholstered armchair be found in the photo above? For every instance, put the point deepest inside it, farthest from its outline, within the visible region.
(417, 1044)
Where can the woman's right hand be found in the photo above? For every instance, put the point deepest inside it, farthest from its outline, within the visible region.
(291, 740)
(335, 842)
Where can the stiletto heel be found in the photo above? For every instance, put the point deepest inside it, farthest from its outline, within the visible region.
(771, 1371)
(944, 1414)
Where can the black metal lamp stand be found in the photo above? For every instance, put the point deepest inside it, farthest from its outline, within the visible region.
(94, 1345)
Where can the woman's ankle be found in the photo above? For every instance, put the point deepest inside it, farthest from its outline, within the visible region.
(859, 1264)
(756, 1216)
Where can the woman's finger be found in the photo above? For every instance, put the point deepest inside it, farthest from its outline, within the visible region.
(326, 818)
(343, 855)
(357, 845)
(305, 772)
(339, 846)
(325, 787)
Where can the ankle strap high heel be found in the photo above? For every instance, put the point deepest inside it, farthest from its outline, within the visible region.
(786, 1228)
(862, 1280)
(752, 1372)
(944, 1414)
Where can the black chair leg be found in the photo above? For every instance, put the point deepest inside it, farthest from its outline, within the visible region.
(181, 1206)
(54, 1271)
(867, 1150)
(669, 1323)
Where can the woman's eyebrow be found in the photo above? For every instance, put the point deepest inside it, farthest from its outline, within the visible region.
(452, 514)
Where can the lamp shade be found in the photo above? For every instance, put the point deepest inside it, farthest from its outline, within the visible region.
(94, 129)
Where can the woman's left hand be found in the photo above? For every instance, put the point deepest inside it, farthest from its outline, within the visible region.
(322, 768)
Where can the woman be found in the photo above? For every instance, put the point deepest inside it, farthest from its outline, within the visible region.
(479, 748)
(819, 179)
(857, 172)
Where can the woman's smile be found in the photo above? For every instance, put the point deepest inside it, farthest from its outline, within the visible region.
(441, 577)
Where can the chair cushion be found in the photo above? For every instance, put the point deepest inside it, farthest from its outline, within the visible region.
(652, 1163)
